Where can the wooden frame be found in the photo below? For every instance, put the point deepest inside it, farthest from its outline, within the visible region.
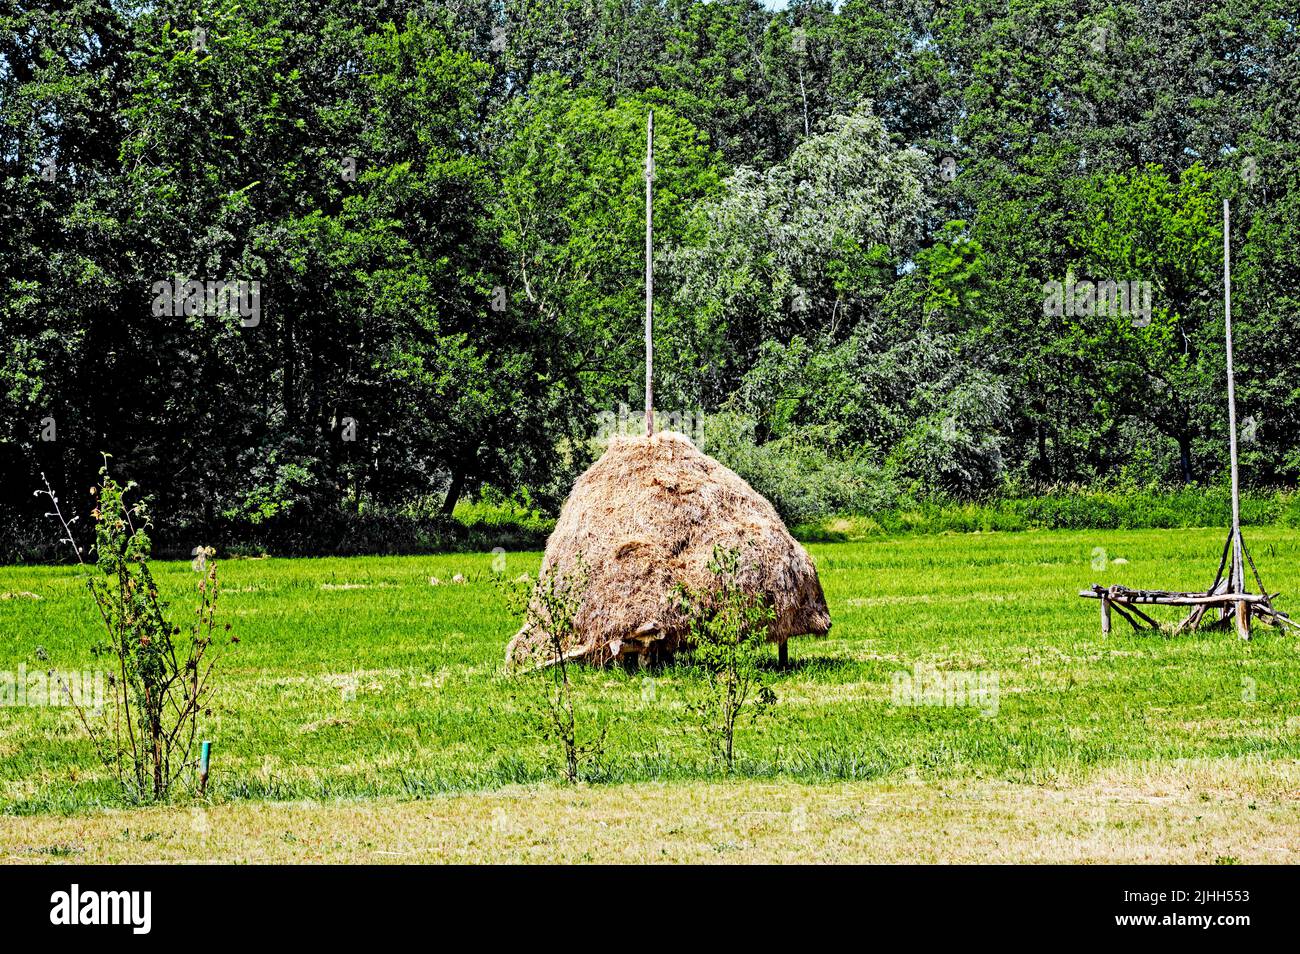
(1236, 602)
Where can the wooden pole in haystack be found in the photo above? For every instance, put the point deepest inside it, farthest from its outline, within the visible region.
(649, 274)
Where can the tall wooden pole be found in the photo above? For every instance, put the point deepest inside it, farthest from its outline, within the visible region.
(1237, 575)
(1232, 392)
(649, 274)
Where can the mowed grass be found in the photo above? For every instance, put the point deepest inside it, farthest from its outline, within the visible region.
(356, 678)
(1215, 812)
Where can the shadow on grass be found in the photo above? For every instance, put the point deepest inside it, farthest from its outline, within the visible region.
(806, 664)
(683, 664)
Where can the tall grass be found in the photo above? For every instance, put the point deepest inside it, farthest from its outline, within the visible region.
(1067, 509)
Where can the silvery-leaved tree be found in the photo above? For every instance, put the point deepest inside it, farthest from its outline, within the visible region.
(804, 247)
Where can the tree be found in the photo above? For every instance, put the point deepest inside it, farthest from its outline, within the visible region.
(1147, 227)
(571, 218)
(806, 247)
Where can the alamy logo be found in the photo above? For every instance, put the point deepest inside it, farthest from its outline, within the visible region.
(1085, 298)
(209, 298)
(611, 424)
(927, 686)
(134, 908)
(84, 690)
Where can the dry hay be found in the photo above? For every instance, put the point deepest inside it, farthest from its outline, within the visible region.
(644, 519)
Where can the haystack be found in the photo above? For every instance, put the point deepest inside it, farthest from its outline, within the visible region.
(645, 518)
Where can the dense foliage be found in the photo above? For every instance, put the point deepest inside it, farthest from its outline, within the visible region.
(860, 208)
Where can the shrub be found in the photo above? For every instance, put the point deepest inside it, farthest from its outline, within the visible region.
(161, 683)
(551, 609)
(1065, 509)
(800, 473)
(729, 627)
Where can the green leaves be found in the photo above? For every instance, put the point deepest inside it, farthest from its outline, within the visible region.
(159, 679)
(729, 628)
(1150, 227)
(444, 208)
(802, 246)
(571, 219)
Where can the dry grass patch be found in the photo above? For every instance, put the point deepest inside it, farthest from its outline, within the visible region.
(1195, 812)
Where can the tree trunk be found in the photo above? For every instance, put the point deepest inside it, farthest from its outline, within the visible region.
(453, 492)
(1044, 465)
(159, 787)
(1185, 457)
(288, 384)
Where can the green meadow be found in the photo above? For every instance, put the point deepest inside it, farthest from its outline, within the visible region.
(358, 678)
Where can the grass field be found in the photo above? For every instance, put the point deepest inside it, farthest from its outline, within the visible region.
(359, 690)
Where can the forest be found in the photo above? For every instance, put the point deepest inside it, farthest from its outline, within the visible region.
(320, 271)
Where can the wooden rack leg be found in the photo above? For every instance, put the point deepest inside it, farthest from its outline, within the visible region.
(1105, 615)
(1124, 609)
(1223, 562)
(1192, 621)
(1243, 620)
(1130, 608)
